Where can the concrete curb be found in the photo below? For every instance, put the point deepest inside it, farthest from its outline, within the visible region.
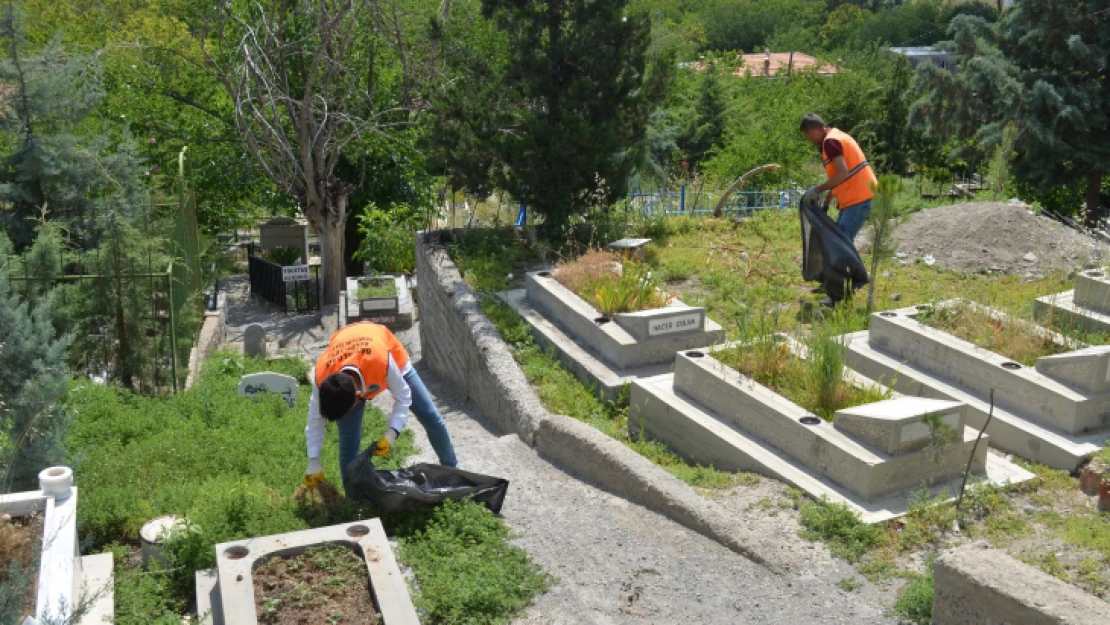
(461, 344)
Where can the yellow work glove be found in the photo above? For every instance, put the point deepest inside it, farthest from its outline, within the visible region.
(383, 446)
(314, 474)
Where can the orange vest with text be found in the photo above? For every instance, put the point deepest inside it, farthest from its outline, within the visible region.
(857, 188)
(364, 345)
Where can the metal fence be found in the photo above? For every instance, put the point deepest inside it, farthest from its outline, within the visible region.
(268, 283)
(701, 202)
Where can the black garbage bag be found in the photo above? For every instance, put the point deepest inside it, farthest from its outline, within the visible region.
(419, 486)
(828, 255)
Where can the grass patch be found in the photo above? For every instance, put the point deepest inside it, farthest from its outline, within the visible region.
(377, 288)
(915, 602)
(850, 584)
(1014, 339)
(1089, 531)
(839, 527)
(231, 466)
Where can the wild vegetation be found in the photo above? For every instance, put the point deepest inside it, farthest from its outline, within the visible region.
(1012, 338)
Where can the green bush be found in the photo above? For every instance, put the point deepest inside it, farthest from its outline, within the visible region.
(468, 571)
(284, 255)
(388, 242)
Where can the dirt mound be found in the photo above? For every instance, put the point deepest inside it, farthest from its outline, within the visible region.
(995, 237)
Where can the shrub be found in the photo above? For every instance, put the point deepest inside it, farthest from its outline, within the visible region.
(388, 238)
(468, 571)
(284, 255)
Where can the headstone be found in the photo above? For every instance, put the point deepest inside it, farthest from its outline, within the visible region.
(254, 341)
(1087, 369)
(268, 382)
(630, 248)
(897, 426)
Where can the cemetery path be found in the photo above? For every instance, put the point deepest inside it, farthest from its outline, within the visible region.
(617, 562)
(291, 332)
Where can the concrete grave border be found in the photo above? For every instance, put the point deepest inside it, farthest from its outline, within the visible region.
(236, 560)
(977, 585)
(1086, 307)
(1010, 429)
(400, 319)
(623, 341)
(1017, 387)
(463, 346)
(822, 446)
(65, 577)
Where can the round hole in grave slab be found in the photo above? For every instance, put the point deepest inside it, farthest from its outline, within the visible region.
(695, 354)
(544, 274)
(809, 420)
(1011, 365)
(236, 552)
(357, 531)
(602, 320)
(56, 471)
(888, 314)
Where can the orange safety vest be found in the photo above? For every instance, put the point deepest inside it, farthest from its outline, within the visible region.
(857, 188)
(365, 345)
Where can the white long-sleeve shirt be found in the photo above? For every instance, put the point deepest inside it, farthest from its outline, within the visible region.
(394, 381)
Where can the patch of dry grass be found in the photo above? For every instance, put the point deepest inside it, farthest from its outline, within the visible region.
(1015, 339)
(583, 274)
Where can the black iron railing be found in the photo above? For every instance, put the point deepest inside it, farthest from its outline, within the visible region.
(268, 283)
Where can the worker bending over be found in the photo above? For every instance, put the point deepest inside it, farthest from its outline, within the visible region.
(362, 360)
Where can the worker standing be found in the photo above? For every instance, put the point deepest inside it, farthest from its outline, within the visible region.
(848, 174)
(362, 360)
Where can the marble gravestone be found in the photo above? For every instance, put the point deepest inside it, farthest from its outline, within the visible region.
(268, 382)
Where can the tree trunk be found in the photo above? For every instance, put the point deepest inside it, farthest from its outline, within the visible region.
(1094, 186)
(328, 222)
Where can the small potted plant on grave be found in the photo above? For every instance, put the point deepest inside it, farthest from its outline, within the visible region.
(377, 294)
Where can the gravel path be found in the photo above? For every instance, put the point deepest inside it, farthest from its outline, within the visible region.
(996, 237)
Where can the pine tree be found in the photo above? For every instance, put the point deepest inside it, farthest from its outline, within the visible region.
(709, 116)
(579, 96)
(1044, 69)
(33, 420)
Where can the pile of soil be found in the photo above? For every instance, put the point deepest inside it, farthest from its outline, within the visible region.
(996, 237)
(324, 585)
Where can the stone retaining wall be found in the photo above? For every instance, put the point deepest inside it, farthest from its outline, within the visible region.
(461, 344)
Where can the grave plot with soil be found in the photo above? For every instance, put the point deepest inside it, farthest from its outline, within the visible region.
(326, 584)
(1016, 339)
(20, 540)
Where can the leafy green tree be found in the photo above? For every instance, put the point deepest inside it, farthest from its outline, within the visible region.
(579, 93)
(1042, 68)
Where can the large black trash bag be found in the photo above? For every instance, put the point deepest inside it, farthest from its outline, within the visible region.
(419, 486)
(828, 255)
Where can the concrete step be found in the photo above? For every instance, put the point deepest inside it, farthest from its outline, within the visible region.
(1008, 430)
(697, 434)
(94, 581)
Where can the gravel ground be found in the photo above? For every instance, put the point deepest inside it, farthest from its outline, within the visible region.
(617, 562)
(996, 237)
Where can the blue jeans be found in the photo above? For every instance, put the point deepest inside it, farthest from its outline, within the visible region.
(350, 426)
(852, 218)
